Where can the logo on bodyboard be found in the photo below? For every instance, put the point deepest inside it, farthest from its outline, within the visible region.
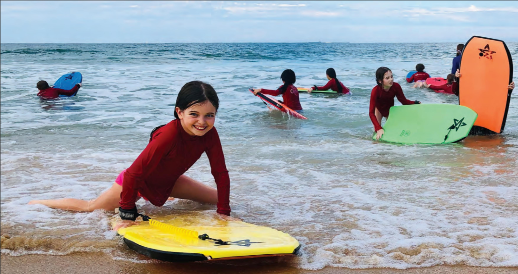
(456, 125)
(486, 52)
(404, 133)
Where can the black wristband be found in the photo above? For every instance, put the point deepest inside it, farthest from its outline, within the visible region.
(128, 214)
(417, 102)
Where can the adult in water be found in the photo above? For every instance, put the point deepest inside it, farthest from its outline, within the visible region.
(456, 61)
(173, 148)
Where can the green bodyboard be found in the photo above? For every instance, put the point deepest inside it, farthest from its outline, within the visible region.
(428, 124)
(317, 91)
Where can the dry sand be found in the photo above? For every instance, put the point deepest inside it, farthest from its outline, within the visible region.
(102, 263)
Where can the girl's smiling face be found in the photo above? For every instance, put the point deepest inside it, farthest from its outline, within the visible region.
(388, 80)
(197, 119)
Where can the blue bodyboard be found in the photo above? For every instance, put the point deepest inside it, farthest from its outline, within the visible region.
(68, 81)
(411, 73)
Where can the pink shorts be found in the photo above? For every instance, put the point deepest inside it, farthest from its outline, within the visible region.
(120, 179)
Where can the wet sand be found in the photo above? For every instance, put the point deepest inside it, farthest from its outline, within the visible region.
(103, 263)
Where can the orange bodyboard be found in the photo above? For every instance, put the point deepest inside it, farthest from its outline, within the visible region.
(486, 71)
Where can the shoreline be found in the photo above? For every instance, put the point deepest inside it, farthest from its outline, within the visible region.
(103, 263)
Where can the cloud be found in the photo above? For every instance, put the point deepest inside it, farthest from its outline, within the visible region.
(320, 14)
(288, 5)
(262, 7)
(457, 14)
(16, 8)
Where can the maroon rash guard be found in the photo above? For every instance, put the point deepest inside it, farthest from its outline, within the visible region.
(52, 93)
(332, 85)
(290, 97)
(418, 76)
(169, 154)
(453, 88)
(383, 100)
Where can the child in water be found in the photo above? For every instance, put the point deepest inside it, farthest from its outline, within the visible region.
(290, 93)
(382, 98)
(332, 84)
(157, 173)
(455, 64)
(450, 87)
(46, 92)
(419, 77)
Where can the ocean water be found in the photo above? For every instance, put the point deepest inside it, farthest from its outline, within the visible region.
(351, 202)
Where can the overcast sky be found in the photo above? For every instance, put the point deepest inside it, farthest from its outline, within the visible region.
(255, 21)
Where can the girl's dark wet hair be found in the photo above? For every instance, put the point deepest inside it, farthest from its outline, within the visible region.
(450, 78)
(42, 85)
(288, 76)
(195, 92)
(460, 47)
(332, 74)
(419, 67)
(380, 72)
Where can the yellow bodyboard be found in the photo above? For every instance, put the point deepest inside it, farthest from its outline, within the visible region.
(179, 244)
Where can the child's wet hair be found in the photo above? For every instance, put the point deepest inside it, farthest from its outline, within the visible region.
(450, 78)
(332, 74)
(288, 76)
(195, 92)
(460, 47)
(380, 72)
(42, 85)
(419, 67)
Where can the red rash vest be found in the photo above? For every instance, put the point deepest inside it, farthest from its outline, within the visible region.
(383, 100)
(52, 93)
(332, 85)
(290, 97)
(418, 76)
(452, 89)
(169, 154)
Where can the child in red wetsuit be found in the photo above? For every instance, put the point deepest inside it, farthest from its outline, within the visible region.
(451, 87)
(382, 98)
(46, 92)
(157, 173)
(419, 77)
(332, 84)
(290, 94)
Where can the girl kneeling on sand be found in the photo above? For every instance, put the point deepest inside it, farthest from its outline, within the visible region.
(157, 173)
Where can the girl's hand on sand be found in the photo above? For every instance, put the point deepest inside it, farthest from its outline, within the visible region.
(124, 224)
(379, 133)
